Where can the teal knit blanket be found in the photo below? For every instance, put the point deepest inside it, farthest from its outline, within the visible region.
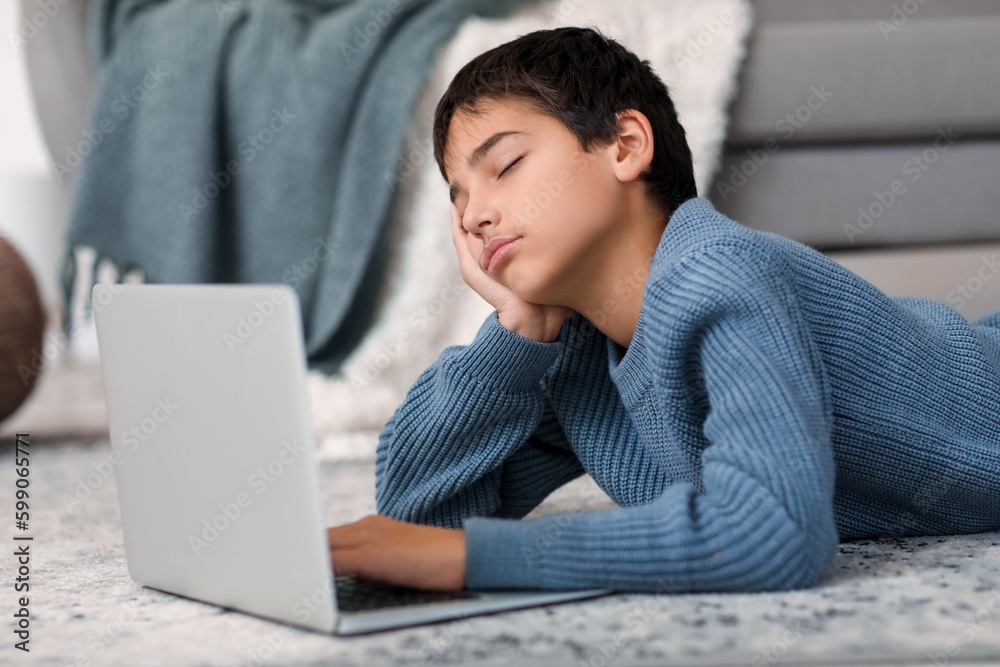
(255, 141)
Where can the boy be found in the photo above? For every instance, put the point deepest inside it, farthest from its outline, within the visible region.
(747, 401)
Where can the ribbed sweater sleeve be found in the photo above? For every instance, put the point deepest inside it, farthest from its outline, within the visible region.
(475, 435)
(764, 520)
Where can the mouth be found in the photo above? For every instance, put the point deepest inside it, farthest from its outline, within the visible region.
(498, 254)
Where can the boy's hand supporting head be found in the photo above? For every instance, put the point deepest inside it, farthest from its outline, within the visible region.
(531, 320)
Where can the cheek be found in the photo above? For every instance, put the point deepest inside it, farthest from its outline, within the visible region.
(589, 199)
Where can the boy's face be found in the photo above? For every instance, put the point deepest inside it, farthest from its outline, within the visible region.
(559, 201)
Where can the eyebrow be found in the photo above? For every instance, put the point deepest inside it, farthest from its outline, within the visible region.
(481, 151)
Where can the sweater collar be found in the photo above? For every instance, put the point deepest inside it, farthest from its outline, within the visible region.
(628, 367)
(690, 224)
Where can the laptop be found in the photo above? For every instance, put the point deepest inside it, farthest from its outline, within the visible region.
(216, 468)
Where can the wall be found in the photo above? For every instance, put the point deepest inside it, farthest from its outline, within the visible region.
(33, 205)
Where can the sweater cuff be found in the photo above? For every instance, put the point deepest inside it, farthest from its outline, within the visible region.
(505, 553)
(501, 358)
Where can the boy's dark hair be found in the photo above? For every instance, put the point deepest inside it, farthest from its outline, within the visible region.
(583, 79)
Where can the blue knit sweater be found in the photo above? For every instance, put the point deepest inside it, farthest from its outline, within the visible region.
(771, 403)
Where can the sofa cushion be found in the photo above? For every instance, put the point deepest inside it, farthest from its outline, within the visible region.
(913, 193)
(885, 69)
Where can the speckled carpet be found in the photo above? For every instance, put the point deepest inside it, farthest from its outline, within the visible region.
(917, 601)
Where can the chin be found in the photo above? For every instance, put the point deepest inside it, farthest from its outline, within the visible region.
(537, 290)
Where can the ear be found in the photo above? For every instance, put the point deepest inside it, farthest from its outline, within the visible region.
(633, 149)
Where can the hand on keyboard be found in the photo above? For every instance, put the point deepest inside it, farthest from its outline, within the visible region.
(400, 553)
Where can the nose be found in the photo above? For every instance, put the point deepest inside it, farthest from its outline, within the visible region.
(480, 216)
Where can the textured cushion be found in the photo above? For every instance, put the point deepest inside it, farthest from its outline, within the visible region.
(776, 11)
(844, 95)
(942, 65)
(810, 193)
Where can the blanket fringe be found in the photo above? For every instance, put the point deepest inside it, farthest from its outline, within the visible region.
(84, 267)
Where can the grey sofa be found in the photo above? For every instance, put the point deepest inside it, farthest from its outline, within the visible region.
(867, 123)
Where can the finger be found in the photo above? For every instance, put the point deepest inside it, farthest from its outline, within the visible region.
(466, 261)
(345, 561)
(457, 229)
(459, 236)
(462, 234)
(472, 273)
(457, 232)
(347, 535)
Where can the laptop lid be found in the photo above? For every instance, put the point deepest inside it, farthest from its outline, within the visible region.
(216, 469)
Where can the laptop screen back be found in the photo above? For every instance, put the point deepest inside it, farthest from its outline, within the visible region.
(213, 446)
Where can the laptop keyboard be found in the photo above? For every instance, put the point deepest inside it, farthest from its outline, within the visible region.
(356, 593)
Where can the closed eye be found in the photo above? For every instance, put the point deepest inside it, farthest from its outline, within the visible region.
(509, 166)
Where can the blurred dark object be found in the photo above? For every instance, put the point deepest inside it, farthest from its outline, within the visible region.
(22, 324)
